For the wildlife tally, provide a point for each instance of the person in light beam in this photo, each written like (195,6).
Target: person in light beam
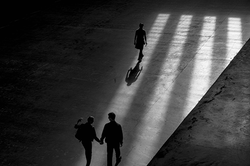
(87,135)
(140,40)
(112,133)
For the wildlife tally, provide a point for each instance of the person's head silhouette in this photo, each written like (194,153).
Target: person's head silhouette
(141,25)
(90,119)
(111,116)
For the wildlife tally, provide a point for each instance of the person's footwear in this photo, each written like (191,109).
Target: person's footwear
(118,161)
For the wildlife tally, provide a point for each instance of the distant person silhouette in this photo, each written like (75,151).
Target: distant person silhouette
(112,133)
(140,40)
(88,134)
(133,74)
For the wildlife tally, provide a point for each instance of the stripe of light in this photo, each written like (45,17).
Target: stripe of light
(202,63)
(124,93)
(150,128)
(234,37)
(234,44)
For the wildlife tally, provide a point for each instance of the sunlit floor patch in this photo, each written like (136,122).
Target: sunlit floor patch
(200,78)
(150,128)
(234,37)
(124,96)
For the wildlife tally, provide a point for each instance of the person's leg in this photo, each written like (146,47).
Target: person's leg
(140,54)
(118,154)
(88,152)
(109,154)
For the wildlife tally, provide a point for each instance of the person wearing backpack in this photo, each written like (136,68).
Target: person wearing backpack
(86,134)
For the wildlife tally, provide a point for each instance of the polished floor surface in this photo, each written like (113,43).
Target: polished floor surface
(71,59)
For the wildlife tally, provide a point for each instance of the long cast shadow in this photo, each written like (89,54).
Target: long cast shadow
(133,74)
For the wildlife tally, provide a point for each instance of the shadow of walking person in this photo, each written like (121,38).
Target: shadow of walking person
(133,74)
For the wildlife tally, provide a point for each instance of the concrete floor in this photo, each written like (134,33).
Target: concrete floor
(70,60)
(216,131)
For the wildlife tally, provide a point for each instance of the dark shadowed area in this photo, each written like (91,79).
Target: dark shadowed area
(62,60)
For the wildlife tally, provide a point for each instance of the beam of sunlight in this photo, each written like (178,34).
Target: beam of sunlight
(200,78)
(124,95)
(234,37)
(234,44)
(151,126)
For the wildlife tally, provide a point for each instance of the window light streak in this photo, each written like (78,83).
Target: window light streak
(124,93)
(151,126)
(234,37)
(152,40)
(200,79)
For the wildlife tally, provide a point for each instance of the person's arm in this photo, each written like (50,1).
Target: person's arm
(121,136)
(95,137)
(135,38)
(145,38)
(78,124)
(103,135)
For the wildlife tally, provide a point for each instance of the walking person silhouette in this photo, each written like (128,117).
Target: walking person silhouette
(86,135)
(112,133)
(140,40)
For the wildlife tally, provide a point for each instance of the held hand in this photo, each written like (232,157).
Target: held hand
(79,120)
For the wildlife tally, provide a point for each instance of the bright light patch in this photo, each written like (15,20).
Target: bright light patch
(150,129)
(124,96)
(151,126)
(234,37)
(200,79)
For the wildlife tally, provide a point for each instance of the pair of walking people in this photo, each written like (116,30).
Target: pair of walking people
(112,133)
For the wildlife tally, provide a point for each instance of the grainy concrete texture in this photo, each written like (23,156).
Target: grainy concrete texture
(217,130)
(62,60)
